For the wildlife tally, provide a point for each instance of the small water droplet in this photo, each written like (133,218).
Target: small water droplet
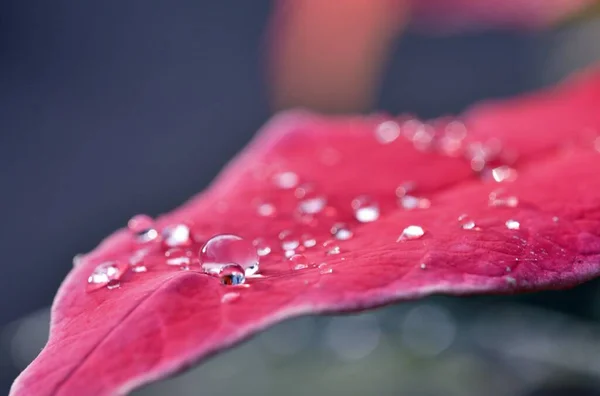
(511,281)
(113,284)
(286,180)
(266,210)
(142,227)
(409,202)
(139,268)
(404,189)
(365,208)
(411,232)
(262,247)
(304,190)
(508,269)
(298,262)
(288,240)
(105,273)
(512,224)
(225,249)
(176,235)
(499,198)
(326,271)
(423,266)
(289,253)
(333,250)
(77,260)
(504,174)
(232,275)
(341,232)
(555,219)
(308,241)
(178,256)
(387,132)
(230,297)
(466,223)
(312,204)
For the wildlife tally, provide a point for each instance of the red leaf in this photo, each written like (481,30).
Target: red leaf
(537,227)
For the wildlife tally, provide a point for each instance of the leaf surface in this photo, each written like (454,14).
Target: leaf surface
(507,197)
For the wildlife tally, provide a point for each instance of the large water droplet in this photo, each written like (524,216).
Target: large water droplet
(286,180)
(365,209)
(512,224)
(176,235)
(105,273)
(178,256)
(387,132)
(298,262)
(411,232)
(341,232)
(262,246)
(227,249)
(142,227)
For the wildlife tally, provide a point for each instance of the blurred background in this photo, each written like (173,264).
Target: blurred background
(108,109)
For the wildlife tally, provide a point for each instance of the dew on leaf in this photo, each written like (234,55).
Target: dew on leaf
(341,231)
(504,174)
(232,275)
(387,132)
(308,241)
(365,208)
(312,204)
(512,224)
(286,180)
(298,262)
(411,232)
(176,235)
(142,227)
(499,199)
(288,240)
(178,256)
(226,249)
(266,209)
(104,273)
(262,246)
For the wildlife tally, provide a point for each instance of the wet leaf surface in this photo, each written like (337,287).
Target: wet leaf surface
(342,214)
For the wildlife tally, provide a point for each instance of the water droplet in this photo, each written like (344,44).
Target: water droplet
(142,227)
(77,259)
(512,224)
(404,189)
(304,190)
(113,284)
(230,297)
(466,223)
(365,208)
(105,273)
(289,253)
(312,204)
(262,247)
(326,271)
(178,256)
(225,249)
(411,232)
(555,219)
(308,241)
(266,210)
(423,266)
(232,275)
(139,268)
(504,174)
(387,132)
(409,202)
(499,199)
(341,232)
(510,281)
(176,235)
(286,180)
(298,262)
(288,240)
